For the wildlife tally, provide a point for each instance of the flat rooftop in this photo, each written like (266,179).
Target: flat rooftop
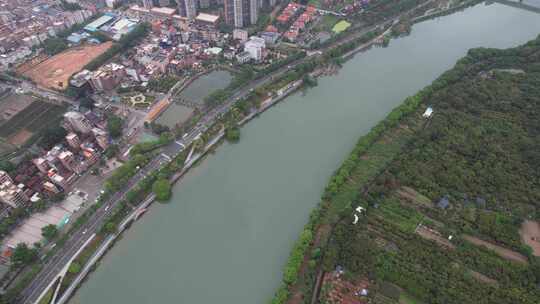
(163,10)
(207,18)
(94,25)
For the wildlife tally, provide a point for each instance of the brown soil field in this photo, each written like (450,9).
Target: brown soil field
(54,72)
(20,137)
(415,197)
(482,278)
(530,234)
(433,235)
(503,252)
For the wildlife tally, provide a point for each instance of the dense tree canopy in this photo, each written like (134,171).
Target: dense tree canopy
(162,190)
(54,45)
(52,136)
(23,255)
(49,232)
(7,166)
(114,125)
(162,84)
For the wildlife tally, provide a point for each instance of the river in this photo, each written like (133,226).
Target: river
(228,230)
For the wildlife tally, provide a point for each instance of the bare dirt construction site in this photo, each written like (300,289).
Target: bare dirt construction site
(54,72)
(530,234)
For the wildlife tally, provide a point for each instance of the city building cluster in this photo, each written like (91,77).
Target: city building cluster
(25,24)
(54,170)
(305,16)
(174,46)
(107,77)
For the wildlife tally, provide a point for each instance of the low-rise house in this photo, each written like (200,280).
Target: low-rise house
(270,38)
(444,202)
(243,57)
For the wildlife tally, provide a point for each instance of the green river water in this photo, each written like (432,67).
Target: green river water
(228,230)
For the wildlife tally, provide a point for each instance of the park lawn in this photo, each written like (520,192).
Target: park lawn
(341,26)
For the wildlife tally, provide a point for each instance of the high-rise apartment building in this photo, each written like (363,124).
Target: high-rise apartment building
(245,12)
(187,8)
(147,4)
(204,3)
(254,6)
(228,6)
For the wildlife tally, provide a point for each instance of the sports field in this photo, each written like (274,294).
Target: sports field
(341,26)
(54,73)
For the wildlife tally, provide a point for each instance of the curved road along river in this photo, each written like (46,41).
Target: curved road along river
(231,224)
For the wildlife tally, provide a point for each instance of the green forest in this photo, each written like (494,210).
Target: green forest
(444,196)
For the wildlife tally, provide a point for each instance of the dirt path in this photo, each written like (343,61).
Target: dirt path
(482,278)
(530,234)
(503,252)
(435,236)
